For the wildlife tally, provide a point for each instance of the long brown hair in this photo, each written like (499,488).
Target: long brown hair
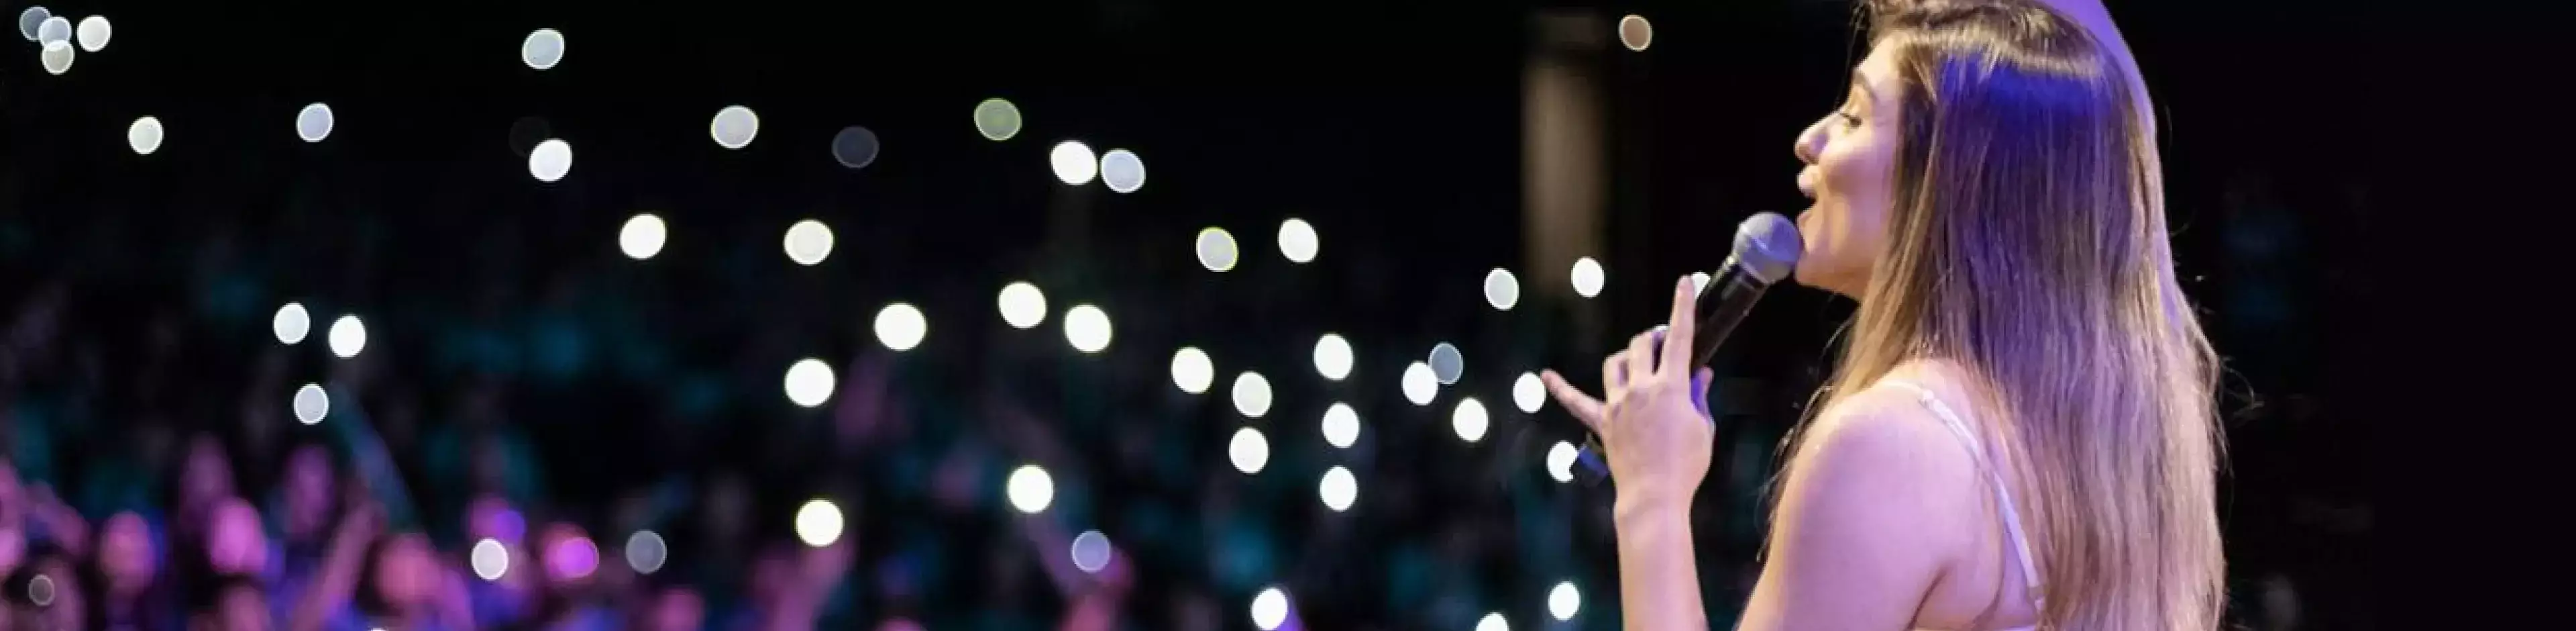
(2027,245)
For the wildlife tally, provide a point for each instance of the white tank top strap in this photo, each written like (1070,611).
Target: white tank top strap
(1994,473)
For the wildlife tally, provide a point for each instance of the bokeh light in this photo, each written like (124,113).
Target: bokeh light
(348,336)
(1564,601)
(1341,425)
(642,236)
(144,136)
(1447,365)
(1419,386)
(1297,240)
(646,551)
(900,326)
(1192,371)
(1030,489)
(1122,171)
(40,590)
(1469,420)
(311,403)
(491,560)
(734,127)
(1269,609)
(550,160)
(1560,461)
(818,523)
(1073,162)
(809,382)
(1216,249)
(808,242)
(855,147)
(1699,283)
(1502,290)
(572,558)
(1636,33)
(57,58)
(542,49)
(1087,328)
(1339,489)
(997,119)
(54,29)
(1248,451)
(93,33)
(313,123)
(1022,304)
(1333,356)
(1493,622)
(1528,392)
(1251,394)
(33,19)
(291,323)
(1588,277)
(1090,551)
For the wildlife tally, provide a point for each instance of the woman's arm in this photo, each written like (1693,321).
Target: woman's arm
(1869,519)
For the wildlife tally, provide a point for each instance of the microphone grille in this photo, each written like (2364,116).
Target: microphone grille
(1768,245)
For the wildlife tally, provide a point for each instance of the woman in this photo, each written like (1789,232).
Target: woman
(2020,431)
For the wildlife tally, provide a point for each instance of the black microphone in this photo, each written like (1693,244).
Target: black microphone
(1766,249)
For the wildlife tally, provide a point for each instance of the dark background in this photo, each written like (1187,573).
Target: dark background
(1393,129)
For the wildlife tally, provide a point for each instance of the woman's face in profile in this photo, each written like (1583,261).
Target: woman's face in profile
(1850,175)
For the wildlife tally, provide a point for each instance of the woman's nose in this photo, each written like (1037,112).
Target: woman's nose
(1811,142)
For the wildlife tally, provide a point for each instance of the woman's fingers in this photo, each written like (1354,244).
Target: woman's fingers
(1641,354)
(1582,406)
(1678,332)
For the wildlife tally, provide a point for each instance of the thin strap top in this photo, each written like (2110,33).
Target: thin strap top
(2003,493)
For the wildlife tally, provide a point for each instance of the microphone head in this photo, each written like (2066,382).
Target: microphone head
(1767,245)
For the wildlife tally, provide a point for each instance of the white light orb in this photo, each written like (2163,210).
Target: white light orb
(1087,328)
(1030,489)
(490,559)
(313,123)
(1090,551)
(542,49)
(1269,609)
(1341,425)
(311,404)
(997,119)
(93,33)
(1333,356)
(900,326)
(1073,162)
(550,160)
(809,382)
(1588,277)
(32,20)
(1493,622)
(54,29)
(734,127)
(1502,290)
(1564,601)
(1560,461)
(1251,394)
(818,523)
(1339,489)
(1192,371)
(291,323)
(348,335)
(1636,33)
(1216,249)
(57,58)
(144,136)
(1023,306)
(808,242)
(1699,283)
(1122,171)
(1419,385)
(1248,451)
(1447,364)
(1469,420)
(855,147)
(1297,240)
(1528,393)
(646,551)
(642,236)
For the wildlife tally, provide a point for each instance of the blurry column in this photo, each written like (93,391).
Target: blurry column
(1564,175)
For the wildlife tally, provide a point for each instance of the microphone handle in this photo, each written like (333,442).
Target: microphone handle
(1721,304)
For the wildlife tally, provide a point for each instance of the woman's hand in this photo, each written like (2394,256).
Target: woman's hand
(1655,427)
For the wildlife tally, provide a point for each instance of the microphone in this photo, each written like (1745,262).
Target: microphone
(1766,249)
